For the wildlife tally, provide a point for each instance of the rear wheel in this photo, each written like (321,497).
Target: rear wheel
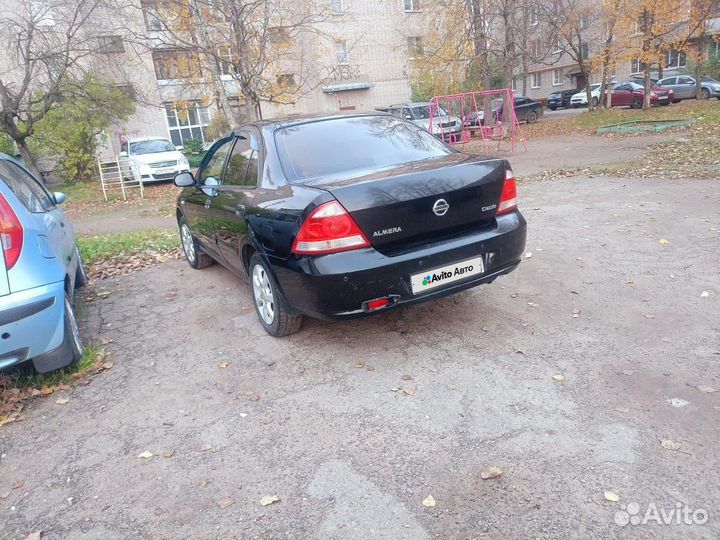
(72,333)
(269,305)
(705,93)
(81,277)
(195,258)
(531,117)
(552,108)
(595,102)
(637,103)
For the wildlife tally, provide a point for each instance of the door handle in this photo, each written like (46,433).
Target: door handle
(207,203)
(240,210)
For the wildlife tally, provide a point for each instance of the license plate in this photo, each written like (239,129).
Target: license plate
(663,97)
(166,170)
(432,279)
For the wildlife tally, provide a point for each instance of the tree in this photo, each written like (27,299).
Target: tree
(46,46)
(72,131)
(251,43)
(698,36)
(609,20)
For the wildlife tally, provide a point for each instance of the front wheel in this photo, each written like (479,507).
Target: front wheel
(270,307)
(637,103)
(705,93)
(195,258)
(531,117)
(595,102)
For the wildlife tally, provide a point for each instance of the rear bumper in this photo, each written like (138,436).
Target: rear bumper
(336,286)
(32,323)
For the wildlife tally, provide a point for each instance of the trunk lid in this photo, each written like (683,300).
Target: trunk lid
(401,207)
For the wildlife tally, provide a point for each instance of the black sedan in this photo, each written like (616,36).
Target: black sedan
(560,99)
(338,217)
(527,110)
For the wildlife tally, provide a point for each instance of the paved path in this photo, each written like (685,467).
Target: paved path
(352,457)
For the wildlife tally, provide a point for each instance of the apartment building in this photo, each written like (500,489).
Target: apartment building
(359,58)
(552,69)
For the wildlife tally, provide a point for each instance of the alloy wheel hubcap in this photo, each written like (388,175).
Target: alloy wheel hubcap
(187,242)
(262,290)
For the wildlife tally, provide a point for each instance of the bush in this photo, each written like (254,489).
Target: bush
(193,146)
(7,146)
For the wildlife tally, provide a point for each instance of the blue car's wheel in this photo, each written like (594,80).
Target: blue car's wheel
(72,333)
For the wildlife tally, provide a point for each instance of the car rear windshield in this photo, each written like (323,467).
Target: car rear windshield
(28,190)
(344,145)
(151,147)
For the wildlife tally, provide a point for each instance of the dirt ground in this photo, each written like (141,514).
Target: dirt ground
(352,425)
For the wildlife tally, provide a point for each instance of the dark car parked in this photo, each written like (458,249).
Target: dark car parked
(560,99)
(526,109)
(338,217)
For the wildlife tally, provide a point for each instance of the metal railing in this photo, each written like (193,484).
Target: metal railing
(120,175)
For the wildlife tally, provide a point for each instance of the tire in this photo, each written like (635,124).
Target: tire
(637,103)
(81,277)
(531,117)
(72,333)
(665,104)
(705,93)
(552,108)
(595,102)
(193,255)
(270,306)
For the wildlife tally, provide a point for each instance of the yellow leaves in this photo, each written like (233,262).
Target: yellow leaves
(669,444)
(206,447)
(559,377)
(611,496)
(223,365)
(62,401)
(145,455)
(226,502)
(269,499)
(663,242)
(429,502)
(493,471)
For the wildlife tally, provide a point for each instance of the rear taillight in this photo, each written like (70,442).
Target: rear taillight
(508,199)
(328,229)
(11,233)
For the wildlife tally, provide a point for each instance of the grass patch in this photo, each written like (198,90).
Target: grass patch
(91,359)
(99,248)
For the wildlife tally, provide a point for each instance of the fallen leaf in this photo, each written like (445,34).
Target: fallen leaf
(107,365)
(528,255)
(532,304)
(223,365)
(395,389)
(451,387)
(254,396)
(706,389)
(46,390)
(409,391)
(168,452)
(429,501)
(17,484)
(37,535)
(629,282)
(204,482)
(407,377)
(677,402)
(224,503)
(360,365)
(559,377)
(205,447)
(4,495)
(664,242)
(269,499)
(145,455)
(491,472)
(669,444)
(704,294)
(628,372)
(576,313)
(62,401)
(370,368)
(611,496)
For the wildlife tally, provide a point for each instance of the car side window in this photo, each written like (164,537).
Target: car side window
(406,113)
(671,80)
(214,166)
(124,147)
(684,80)
(28,190)
(242,167)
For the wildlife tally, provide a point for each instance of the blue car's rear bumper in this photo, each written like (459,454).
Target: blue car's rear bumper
(32,324)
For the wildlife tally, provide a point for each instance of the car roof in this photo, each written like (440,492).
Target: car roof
(141,139)
(413,104)
(295,119)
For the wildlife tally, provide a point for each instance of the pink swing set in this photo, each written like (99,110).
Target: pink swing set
(471,108)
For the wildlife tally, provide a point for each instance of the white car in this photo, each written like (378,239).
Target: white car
(153,159)
(444,126)
(580,99)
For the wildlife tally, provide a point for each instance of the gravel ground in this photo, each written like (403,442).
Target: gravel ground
(317,418)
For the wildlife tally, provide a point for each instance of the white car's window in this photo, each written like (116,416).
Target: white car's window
(28,190)
(151,147)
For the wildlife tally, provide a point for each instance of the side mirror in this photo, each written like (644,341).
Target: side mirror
(59,197)
(123,154)
(210,187)
(184,179)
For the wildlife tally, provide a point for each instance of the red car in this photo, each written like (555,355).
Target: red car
(631,94)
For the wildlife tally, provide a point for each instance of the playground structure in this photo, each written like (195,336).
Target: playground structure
(488,112)
(118,175)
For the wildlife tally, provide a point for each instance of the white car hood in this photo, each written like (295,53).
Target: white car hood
(146,159)
(425,123)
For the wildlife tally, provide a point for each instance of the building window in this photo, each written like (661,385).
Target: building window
(636,66)
(584,52)
(557,77)
(287,81)
(714,49)
(337,6)
(341,53)
(278,34)
(225,59)
(175,64)
(187,122)
(535,48)
(513,84)
(557,48)
(534,18)
(42,14)
(412,5)
(151,13)
(415,47)
(676,59)
(536,80)
(111,44)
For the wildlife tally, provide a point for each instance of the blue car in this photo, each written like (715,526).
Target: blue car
(40,269)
